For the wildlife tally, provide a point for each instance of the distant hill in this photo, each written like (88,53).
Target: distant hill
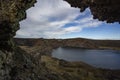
(107,43)
(73,42)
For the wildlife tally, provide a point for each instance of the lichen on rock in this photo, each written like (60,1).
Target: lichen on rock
(11,13)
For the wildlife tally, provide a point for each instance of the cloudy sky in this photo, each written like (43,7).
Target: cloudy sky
(56,19)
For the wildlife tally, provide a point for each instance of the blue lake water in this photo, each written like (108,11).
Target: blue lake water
(109,59)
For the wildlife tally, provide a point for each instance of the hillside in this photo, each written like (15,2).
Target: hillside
(77,42)
(45,46)
(73,42)
(110,44)
(33,61)
(19,65)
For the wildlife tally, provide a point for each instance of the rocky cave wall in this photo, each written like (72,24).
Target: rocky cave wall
(13,11)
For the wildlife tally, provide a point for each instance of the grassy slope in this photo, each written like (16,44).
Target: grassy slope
(78,70)
(55,69)
(69,42)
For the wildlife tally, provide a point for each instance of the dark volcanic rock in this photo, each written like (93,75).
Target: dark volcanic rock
(103,10)
(11,12)
(19,65)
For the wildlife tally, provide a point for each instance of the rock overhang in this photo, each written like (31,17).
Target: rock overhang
(103,10)
(13,11)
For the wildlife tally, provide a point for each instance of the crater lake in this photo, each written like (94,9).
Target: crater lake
(108,59)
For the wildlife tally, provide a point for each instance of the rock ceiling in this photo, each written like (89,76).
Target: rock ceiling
(103,10)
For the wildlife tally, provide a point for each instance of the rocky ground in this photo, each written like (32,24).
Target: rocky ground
(36,63)
(20,65)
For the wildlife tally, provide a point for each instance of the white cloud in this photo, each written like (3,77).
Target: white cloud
(48,18)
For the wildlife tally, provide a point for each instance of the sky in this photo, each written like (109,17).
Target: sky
(57,19)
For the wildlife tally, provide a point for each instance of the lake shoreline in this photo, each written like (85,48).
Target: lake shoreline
(89,55)
(69,70)
(78,68)
(100,48)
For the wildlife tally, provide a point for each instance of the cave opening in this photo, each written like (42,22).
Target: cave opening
(15,11)
(55,19)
